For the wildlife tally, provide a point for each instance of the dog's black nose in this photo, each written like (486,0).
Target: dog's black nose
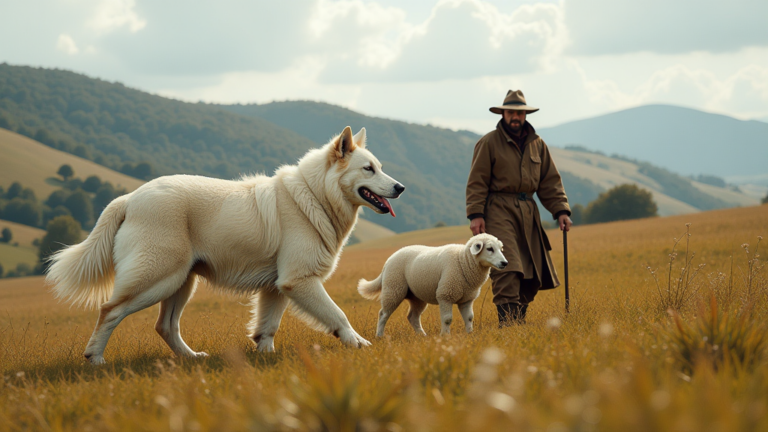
(399,188)
(503,264)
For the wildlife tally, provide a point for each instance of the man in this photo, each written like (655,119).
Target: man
(510,164)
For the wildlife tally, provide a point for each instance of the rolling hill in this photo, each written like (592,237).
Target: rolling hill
(682,140)
(31,163)
(585,173)
(115,126)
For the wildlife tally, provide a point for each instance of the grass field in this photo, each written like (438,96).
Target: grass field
(618,361)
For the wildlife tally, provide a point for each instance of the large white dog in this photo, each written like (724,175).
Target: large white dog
(274,238)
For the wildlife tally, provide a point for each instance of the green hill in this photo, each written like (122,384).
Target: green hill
(33,164)
(683,140)
(119,127)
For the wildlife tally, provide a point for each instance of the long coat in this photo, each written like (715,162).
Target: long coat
(499,174)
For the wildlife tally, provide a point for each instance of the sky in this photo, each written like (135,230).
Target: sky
(430,62)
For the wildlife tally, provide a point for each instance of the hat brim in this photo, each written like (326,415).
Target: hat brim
(500,109)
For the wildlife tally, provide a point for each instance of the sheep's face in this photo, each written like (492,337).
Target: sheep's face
(488,251)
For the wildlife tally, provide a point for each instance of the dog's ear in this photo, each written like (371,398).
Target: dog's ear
(476,247)
(344,144)
(360,138)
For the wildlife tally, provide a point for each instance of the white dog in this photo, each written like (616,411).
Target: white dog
(274,238)
(446,275)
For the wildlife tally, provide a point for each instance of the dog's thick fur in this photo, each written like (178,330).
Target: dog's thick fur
(446,275)
(273,238)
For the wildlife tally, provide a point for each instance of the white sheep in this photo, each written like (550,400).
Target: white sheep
(445,275)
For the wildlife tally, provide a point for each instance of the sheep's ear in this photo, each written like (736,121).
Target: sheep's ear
(476,247)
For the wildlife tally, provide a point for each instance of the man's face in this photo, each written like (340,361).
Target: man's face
(515,119)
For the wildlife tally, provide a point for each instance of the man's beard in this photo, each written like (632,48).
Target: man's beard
(515,125)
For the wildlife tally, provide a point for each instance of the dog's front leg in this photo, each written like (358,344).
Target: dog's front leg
(467,314)
(319,310)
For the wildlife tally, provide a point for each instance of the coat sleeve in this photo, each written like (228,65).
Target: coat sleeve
(479,180)
(551,191)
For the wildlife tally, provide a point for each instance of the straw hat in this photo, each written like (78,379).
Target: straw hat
(514,101)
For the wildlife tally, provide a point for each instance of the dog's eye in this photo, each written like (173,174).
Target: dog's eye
(490,250)
(368,168)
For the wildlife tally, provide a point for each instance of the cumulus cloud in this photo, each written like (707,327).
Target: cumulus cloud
(66,44)
(110,15)
(742,94)
(462,39)
(600,27)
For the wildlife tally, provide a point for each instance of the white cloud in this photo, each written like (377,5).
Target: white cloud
(462,39)
(599,27)
(111,15)
(742,94)
(66,44)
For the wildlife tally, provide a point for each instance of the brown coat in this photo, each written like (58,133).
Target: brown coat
(498,175)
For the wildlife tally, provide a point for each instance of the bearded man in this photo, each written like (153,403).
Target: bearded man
(510,164)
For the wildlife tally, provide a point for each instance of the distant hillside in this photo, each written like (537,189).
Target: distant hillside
(585,174)
(113,125)
(31,163)
(682,140)
(118,127)
(432,163)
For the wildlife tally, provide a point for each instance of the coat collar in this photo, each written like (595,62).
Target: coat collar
(529,127)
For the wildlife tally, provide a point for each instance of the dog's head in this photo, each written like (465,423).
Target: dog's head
(488,251)
(361,178)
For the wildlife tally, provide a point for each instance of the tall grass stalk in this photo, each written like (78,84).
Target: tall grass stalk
(679,291)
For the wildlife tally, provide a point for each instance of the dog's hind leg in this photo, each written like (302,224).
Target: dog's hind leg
(126,300)
(319,310)
(414,314)
(167,325)
(268,308)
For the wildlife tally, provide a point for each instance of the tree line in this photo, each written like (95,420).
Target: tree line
(83,200)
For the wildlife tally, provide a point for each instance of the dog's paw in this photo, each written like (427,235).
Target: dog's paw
(265,347)
(96,360)
(350,337)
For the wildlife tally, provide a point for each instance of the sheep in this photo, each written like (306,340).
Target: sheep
(445,275)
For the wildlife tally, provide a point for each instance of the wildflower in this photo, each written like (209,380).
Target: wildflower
(553,323)
(501,401)
(605,329)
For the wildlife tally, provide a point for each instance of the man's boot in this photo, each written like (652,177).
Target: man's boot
(511,313)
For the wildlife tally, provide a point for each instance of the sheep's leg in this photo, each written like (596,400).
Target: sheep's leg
(469,316)
(414,314)
(446,316)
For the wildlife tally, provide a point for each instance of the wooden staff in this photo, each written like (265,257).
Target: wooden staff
(565,263)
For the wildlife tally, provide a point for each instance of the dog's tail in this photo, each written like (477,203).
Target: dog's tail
(83,274)
(370,289)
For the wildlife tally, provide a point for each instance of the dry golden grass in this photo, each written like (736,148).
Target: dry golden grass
(616,362)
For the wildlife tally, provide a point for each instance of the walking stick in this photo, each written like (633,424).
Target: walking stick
(565,263)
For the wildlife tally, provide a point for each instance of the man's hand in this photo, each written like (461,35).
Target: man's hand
(564,221)
(477,225)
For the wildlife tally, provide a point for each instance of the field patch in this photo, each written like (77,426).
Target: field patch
(616,362)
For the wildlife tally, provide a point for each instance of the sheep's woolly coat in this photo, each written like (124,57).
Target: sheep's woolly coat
(446,275)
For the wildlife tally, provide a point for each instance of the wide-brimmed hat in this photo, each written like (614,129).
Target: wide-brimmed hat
(514,101)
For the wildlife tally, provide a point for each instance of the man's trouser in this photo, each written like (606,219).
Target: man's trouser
(510,287)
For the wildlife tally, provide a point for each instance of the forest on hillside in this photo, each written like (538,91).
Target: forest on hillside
(145,136)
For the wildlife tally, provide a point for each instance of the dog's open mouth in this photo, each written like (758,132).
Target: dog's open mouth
(377,201)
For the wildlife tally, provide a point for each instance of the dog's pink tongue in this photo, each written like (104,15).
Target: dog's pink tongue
(389,206)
